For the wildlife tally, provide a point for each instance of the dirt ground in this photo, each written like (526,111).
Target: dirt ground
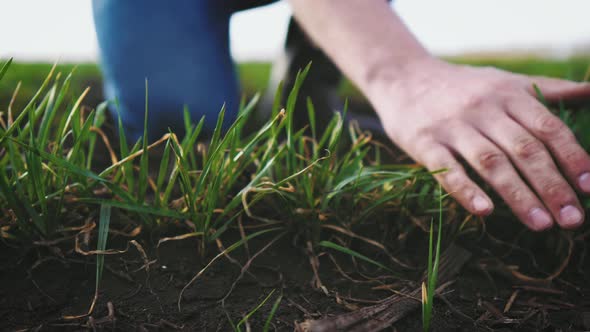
(503,287)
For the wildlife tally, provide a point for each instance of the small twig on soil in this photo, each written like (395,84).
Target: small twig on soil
(42,291)
(135,292)
(542,290)
(46,243)
(80,251)
(492,310)
(454,309)
(90,310)
(243,236)
(485,316)
(508,305)
(109,318)
(315,265)
(91,323)
(563,304)
(133,233)
(247,265)
(529,316)
(146,261)
(119,274)
(177,238)
(371,242)
(515,275)
(36,265)
(302,309)
(106,142)
(383,315)
(232,260)
(165,323)
(196,276)
(346,275)
(353,299)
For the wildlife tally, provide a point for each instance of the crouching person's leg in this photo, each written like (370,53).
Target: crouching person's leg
(181,47)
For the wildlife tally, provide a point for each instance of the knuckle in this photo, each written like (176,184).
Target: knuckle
(474,101)
(424,141)
(504,88)
(512,193)
(490,159)
(549,125)
(556,189)
(455,180)
(574,156)
(424,135)
(427,135)
(528,147)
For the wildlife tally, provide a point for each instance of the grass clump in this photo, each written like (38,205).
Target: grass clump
(306,180)
(61,172)
(429,286)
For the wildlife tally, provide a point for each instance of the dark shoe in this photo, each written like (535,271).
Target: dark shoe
(321,85)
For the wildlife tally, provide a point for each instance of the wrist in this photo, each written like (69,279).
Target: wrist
(395,78)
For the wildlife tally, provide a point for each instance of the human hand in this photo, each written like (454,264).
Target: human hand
(439,112)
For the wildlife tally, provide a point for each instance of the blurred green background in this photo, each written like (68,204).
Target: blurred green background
(254,76)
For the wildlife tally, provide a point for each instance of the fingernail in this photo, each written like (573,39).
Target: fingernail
(584,182)
(570,216)
(540,219)
(480,204)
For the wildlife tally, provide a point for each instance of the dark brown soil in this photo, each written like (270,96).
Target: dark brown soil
(40,288)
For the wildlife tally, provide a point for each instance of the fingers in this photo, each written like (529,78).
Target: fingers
(454,180)
(496,169)
(557,137)
(534,162)
(554,89)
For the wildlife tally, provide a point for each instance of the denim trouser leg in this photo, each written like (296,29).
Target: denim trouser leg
(181,47)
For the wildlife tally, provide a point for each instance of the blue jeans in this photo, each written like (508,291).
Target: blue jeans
(181,47)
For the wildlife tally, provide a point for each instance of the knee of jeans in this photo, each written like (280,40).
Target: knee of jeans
(164,116)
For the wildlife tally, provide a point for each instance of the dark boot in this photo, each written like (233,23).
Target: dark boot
(321,84)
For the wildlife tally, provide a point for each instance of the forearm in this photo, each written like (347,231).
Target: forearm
(365,38)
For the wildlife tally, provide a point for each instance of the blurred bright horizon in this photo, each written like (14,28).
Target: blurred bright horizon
(38,30)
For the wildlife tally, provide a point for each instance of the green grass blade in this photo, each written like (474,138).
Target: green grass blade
(4,68)
(272,313)
(312,117)
(136,207)
(277,101)
(539,94)
(99,119)
(350,252)
(253,311)
(74,113)
(438,240)
(162,172)
(432,273)
(11,199)
(188,122)
(43,132)
(127,168)
(142,184)
(103,233)
(61,162)
(217,131)
(25,112)
(291,103)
